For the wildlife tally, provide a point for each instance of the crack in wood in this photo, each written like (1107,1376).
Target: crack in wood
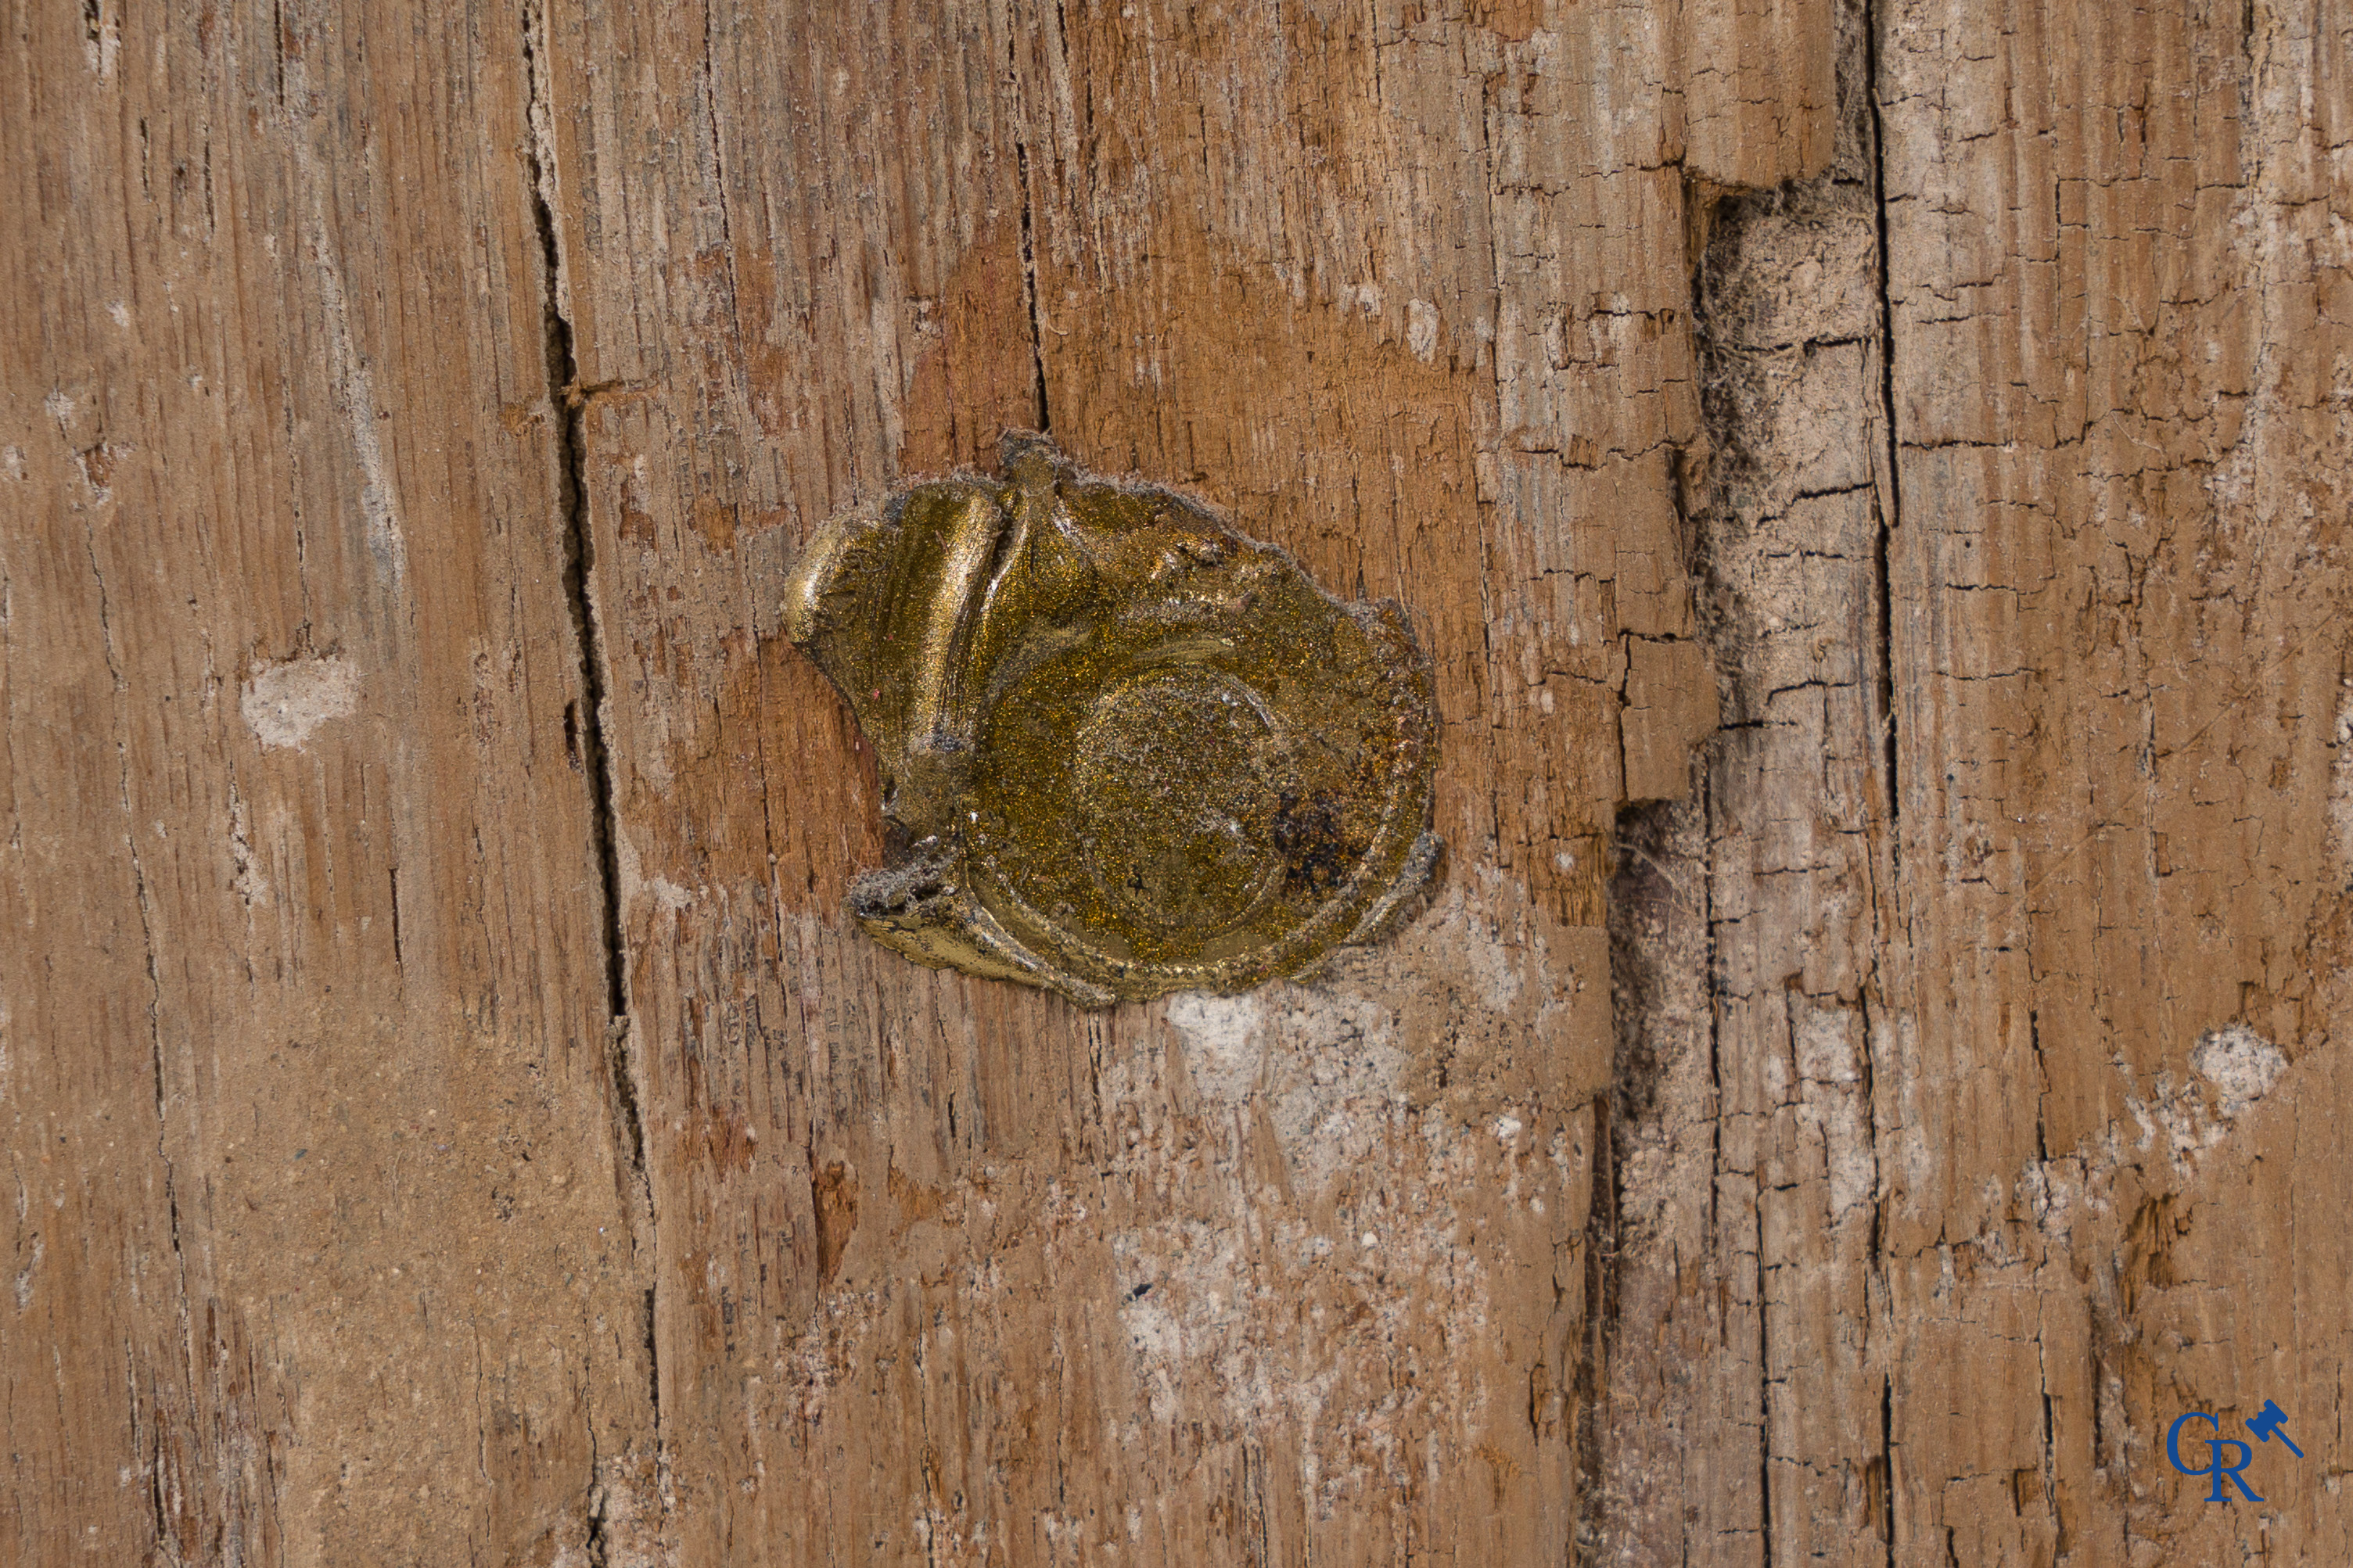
(568,399)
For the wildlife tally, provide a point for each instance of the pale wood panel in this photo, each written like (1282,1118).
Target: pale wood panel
(443,394)
(950,1268)
(320,1250)
(2118,592)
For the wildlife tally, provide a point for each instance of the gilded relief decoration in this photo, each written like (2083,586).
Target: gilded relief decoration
(1123,749)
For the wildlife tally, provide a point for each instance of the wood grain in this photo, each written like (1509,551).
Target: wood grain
(322,1250)
(1867,475)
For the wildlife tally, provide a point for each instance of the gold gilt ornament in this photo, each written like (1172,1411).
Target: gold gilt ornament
(1123,749)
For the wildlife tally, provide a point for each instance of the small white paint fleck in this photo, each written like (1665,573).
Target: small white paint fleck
(120,312)
(2340,792)
(1368,1239)
(60,407)
(1421,329)
(24,1275)
(99,53)
(283,703)
(1507,1128)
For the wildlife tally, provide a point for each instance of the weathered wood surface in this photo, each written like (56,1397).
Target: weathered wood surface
(1870,477)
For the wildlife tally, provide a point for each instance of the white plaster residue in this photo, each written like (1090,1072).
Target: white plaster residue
(1827,1045)
(633,1511)
(352,386)
(629,870)
(1189,1306)
(2341,777)
(1315,1218)
(1421,329)
(1335,1077)
(1825,1040)
(1212,1313)
(355,390)
(247,878)
(1495,960)
(24,1275)
(543,164)
(2241,1066)
(283,703)
(1222,1041)
(2239,1062)
(356,396)
(98,51)
(1853,1164)
(2270,488)
(635,884)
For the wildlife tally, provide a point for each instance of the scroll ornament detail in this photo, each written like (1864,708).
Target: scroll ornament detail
(1123,749)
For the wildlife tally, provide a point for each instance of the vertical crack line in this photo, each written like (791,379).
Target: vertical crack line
(187,1317)
(1889,520)
(398,959)
(1028,230)
(139,887)
(1030,288)
(1887,1465)
(593,1533)
(569,406)
(1891,514)
(1601,1330)
(2041,1086)
(1763,1407)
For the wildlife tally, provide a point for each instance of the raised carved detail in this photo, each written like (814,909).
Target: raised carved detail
(1123,749)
